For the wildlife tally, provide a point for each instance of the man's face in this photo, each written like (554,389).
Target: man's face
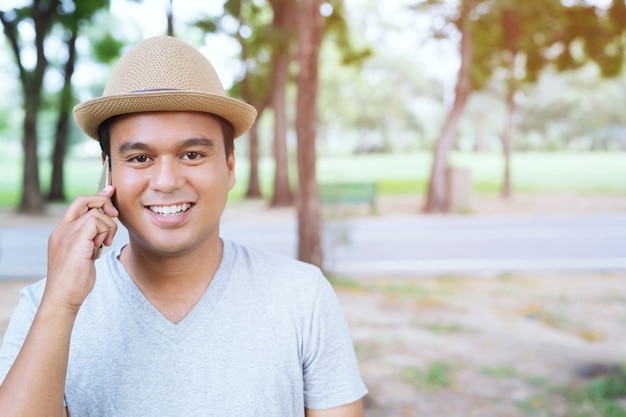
(172,180)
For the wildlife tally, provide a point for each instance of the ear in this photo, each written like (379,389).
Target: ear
(230,165)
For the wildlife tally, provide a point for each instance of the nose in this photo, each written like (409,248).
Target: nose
(166,175)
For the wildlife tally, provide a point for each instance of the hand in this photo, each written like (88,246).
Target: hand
(86,226)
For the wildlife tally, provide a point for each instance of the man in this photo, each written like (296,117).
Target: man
(179,321)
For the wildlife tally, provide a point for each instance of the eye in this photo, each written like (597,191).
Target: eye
(140,158)
(192,156)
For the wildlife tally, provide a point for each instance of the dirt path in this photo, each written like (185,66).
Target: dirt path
(481,346)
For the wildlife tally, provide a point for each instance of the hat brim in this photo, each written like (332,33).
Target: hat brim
(90,114)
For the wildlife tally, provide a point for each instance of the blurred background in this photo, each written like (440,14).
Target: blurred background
(528,98)
(452,153)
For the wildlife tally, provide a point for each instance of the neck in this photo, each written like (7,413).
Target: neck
(173,284)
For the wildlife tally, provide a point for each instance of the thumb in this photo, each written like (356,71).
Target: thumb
(107,191)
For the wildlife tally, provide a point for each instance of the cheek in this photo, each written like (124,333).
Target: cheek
(128,188)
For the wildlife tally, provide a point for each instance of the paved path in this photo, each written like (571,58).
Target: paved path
(397,245)
(456,244)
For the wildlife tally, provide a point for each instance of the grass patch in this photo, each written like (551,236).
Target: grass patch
(347,283)
(444,328)
(437,375)
(409,289)
(402,187)
(598,397)
(485,187)
(499,371)
(562,322)
(9,198)
(502,372)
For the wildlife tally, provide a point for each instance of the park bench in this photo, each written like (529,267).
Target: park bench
(349,193)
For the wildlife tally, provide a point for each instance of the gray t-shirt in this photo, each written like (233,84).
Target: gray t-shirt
(267,338)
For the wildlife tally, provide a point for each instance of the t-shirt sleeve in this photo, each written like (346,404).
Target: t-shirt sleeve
(18,327)
(330,369)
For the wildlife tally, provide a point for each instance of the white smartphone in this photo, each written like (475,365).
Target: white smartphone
(105,179)
(105,176)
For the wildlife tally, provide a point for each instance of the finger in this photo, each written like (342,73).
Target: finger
(81,205)
(108,207)
(107,191)
(105,229)
(93,226)
(105,238)
(98,241)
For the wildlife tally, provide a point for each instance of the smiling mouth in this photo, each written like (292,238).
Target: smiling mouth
(170,210)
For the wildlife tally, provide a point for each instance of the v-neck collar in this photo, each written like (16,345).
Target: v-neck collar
(152,317)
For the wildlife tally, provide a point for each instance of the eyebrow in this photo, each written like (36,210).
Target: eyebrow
(141,146)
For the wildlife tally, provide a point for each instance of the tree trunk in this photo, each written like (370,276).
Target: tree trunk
(170,18)
(283,19)
(507,137)
(436,201)
(254,188)
(283,196)
(310,38)
(57,192)
(31,201)
(512,31)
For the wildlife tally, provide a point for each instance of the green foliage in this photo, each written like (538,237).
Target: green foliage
(405,290)
(573,110)
(596,398)
(609,387)
(106,48)
(436,376)
(445,328)
(617,14)
(336,28)
(256,37)
(544,32)
(499,371)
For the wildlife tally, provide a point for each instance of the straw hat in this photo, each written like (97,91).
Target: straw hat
(163,74)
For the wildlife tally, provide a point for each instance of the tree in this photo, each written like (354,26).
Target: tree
(41,15)
(274,38)
(597,32)
(71,23)
(255,43)
(498,33)
(285,13)
(255,40)
(436,199)
(56,192)
(311,26)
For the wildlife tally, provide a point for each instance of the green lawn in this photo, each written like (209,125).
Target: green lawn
(570,172)
(531,172)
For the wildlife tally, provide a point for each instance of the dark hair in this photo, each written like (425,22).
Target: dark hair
(228,133)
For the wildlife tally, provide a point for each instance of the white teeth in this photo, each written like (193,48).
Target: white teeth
(170,210)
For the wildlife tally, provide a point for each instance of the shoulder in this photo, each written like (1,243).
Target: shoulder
(267,263)
(276,273)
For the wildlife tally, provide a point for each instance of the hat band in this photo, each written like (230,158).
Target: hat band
(156,89)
